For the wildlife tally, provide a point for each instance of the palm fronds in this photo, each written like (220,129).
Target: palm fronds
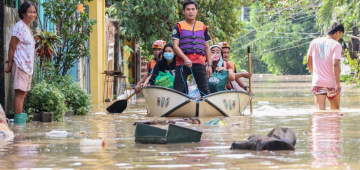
(46,45)
(325,13)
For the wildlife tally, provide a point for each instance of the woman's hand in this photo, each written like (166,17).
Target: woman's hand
(8,69)
(146,85)
(219,69)
(213,56)
(138,88)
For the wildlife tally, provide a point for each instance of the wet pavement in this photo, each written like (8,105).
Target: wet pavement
(325,140)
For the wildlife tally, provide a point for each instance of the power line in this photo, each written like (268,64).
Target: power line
(258,16)
(284,45)
(259,38)
(300,6)
(279,20)
(290,37)
(289,48)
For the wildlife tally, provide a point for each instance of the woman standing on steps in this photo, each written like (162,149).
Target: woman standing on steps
(21,58)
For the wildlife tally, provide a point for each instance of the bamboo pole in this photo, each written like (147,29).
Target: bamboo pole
(249,62)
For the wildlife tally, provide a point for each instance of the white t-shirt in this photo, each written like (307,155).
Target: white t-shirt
(324,51)
(25,49)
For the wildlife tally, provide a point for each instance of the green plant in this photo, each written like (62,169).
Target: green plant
(345,78)
(29,118)
(113,96)
(48,98)
(131,80)
(123,61)
(112,11)
(152,20)
(78,98)
(354,68)
(46,44)
(73,27)
(128,49)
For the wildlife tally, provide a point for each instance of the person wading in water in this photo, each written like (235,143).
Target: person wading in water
(21,58)
(323,60)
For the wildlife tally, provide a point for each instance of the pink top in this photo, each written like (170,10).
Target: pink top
(25,49)
(323,52)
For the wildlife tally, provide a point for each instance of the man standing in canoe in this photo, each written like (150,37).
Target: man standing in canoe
(323,60)
(157,47)
(191,44)
(238,82)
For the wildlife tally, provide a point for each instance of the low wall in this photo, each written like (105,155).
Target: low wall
(7,95)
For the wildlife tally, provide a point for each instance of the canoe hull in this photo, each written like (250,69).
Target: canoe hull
(165,102)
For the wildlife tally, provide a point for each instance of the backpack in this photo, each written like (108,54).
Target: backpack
(164,80)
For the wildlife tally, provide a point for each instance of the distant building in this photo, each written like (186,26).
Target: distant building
(245,13)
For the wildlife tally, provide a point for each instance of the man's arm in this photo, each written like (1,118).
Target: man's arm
(309,63)
(208,59)
(180,53)
(177,49)
(208,53)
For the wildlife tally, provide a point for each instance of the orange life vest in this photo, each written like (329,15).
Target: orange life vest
(232,65)
(152,64)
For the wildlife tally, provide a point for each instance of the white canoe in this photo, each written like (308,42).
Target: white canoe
(165,102)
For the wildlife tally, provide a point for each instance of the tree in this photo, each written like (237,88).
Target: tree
(153,20)
(74,29)
(278,36)
(348,13)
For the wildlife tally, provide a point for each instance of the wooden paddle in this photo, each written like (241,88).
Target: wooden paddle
(119,106)
(249,62)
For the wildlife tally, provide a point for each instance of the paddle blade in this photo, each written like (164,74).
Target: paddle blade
(117,107)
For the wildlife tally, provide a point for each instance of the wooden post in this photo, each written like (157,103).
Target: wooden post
(116,55)
(249,62)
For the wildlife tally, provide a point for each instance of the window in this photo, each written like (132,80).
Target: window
(12,3)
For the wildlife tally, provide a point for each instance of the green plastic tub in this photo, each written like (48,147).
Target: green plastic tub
(175,134)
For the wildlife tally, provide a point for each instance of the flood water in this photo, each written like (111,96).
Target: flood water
(325,140)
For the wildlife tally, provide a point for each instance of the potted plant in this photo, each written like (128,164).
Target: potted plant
(46,44)
(46,98)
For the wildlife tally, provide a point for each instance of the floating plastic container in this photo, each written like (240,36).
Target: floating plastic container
(56,133)
(92,142)
(175,134)
(215,122)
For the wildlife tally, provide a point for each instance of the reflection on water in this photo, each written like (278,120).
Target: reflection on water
(324,139)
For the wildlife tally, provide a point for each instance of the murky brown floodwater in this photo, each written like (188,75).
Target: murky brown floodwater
(324,140)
